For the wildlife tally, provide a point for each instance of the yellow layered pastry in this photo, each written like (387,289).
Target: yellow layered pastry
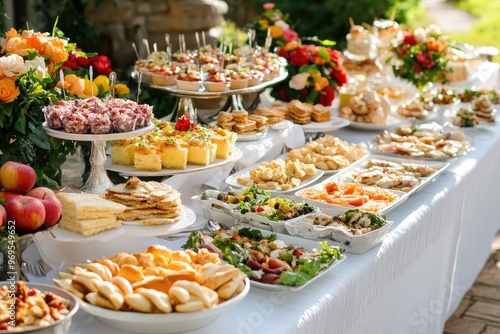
(146,157)
(174,153)
(122,151)
(201,152)
(225,141)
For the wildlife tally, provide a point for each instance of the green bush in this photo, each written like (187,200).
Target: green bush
(329,19)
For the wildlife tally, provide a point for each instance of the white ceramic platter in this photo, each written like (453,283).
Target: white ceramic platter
(131,171)
(137,322)
(96,137)
(136,230)
(333,124)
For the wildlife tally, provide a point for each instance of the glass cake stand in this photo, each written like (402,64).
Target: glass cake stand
(98,180)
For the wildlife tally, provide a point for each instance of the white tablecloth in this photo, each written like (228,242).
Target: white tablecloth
(411,283)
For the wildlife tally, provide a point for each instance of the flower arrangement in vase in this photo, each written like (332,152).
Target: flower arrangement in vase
(29,64)
(314,71)
(421,57)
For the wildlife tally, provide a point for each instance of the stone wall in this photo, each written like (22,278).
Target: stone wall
(131,21)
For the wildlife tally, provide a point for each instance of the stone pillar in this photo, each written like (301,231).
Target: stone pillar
(132,21)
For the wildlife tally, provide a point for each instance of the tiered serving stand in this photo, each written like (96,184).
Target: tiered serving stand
(184,105)
(98,179)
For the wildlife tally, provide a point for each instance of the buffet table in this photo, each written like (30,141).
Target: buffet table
(411,283)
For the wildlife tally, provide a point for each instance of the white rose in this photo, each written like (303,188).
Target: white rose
(12,65)
(282,24)
(39,64)
(420,35)
(299,81)
(434,29)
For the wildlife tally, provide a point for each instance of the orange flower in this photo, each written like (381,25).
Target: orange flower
(276,31)
(434,46)
(320,83)
(12,33)
(37,42)
(55,49)
(15,45)
(290,46)
(8,90)
(73,84)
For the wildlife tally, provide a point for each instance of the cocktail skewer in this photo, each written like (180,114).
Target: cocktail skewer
(135,49)
(112,84)
(91,78)
(61,76)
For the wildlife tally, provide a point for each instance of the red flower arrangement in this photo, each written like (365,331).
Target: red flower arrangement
(80,61)
(314,73)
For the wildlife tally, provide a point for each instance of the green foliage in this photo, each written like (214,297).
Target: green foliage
(329,19)
(23,138)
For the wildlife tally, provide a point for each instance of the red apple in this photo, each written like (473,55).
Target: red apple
(6,195)
(41,192)
(3,216)
(17,177)
(53,207)
(1,185)
(27,212)
(53,211)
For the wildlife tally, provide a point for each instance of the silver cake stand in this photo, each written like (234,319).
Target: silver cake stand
(98,180)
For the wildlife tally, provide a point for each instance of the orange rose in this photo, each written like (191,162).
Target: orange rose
(8,90)
(320,83)
(15,45)
(37,42)
(12,33)
(55,49)
(75,85)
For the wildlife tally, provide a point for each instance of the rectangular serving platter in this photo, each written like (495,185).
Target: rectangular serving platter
(345,175)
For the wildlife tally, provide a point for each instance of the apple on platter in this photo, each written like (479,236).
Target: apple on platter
(53,207)
(3,216)
(6,195)
(28,212)
(17,177)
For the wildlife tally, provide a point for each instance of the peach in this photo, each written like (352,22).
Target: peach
(27,212)
(17,177)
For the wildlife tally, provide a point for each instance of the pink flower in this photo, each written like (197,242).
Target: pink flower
(289,35)
(268,5)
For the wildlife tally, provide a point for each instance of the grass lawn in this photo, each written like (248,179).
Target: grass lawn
(484,32)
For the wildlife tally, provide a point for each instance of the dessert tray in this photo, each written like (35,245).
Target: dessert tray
(131,171)
(285,243)
(96,137)
(391,172)
(98,179)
